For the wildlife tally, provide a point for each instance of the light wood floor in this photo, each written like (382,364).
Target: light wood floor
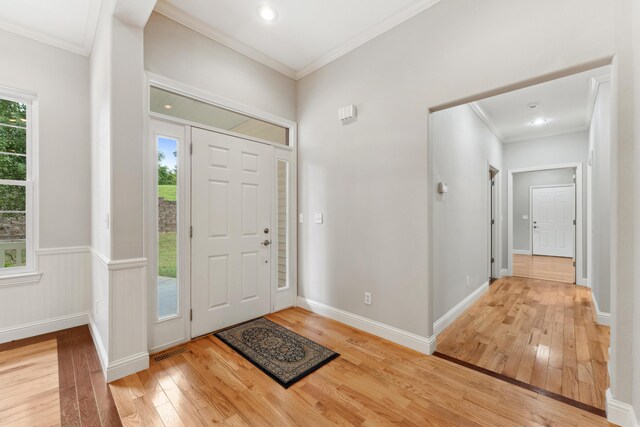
(538,332)
(544,267)
(373,382)
(54,379)
(29,385)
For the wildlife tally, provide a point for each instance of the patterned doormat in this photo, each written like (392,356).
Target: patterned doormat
(283,355)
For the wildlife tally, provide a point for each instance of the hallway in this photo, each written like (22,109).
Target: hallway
(539,333)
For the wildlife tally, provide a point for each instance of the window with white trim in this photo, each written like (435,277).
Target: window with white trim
(16,186)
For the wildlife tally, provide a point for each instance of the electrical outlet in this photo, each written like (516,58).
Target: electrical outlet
(367,298)
(95,307)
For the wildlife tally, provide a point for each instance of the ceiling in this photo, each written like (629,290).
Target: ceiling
(67,24)
(306,35)
(566,104)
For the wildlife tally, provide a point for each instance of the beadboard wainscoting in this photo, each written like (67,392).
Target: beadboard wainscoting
(118,322)
(59,299)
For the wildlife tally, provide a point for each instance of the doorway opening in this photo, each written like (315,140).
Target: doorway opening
(543,226)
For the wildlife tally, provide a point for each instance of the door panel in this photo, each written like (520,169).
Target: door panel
(231,218)
(553,210)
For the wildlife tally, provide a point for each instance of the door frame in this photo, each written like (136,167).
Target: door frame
(493,202)
(575,201)
(579,255)
(280,298)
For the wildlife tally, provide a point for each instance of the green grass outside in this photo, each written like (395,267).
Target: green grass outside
(167,254)
(168,192)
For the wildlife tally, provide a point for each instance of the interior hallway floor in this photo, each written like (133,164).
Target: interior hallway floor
(538,333)
(556,269)
(373,382)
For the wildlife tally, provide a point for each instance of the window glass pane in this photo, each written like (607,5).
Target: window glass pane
(13,113)
(13,140)
(13,198)
(185,108)
(283,222)
(167,227)
(13,246)
(13,167)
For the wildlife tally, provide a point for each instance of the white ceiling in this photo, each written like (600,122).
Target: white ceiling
(566,103)
(68,24)
(307,34)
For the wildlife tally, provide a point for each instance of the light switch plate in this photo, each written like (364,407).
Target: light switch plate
(319,218)
(300,218)
(525,216)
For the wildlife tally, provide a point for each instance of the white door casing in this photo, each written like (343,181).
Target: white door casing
(553,221)
(231,219)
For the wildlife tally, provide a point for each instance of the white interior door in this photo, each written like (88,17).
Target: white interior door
(231,219)
(553,212)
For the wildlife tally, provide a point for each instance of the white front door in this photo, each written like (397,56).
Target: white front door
(231,219)
(553,211)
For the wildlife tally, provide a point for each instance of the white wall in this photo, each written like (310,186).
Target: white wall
(522,183)
(61,81)
(181,54)
(600,181)
(553,150)
(462,147)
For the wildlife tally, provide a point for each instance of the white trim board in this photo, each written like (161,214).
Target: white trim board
(602,317)
(40,327)
(119,368)
(620,413)
(449,317)
(189,21)
(408,339)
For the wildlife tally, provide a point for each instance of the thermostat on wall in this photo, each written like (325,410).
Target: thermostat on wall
(442,187)
(347,113)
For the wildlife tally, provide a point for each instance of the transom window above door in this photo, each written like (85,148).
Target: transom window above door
(193,110)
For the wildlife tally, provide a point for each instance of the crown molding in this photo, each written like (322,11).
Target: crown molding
(368,35)
(181,17)
(486,120)
(80,49)
(83,48)
(189,21)
(548,134)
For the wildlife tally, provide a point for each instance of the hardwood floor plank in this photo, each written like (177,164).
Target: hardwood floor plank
(539,332)
(372,383)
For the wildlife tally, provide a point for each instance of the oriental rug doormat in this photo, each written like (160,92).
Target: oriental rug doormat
(283,355)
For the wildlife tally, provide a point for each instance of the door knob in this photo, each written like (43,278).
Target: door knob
(266,231)
(266,243)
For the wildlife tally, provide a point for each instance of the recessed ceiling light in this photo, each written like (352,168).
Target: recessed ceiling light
(539,121)
(168,107)
(267,13)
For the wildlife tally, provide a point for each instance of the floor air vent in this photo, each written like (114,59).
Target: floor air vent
(170,353)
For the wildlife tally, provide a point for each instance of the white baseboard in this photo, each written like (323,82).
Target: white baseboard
(504,272)
(127,366)
(442,323)
(521,252)
(118,368)
(33,329)
(620,413)
(601,317)
(398,336)
(97,341)
(583,282)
